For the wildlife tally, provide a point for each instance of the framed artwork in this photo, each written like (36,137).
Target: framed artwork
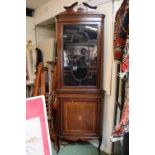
(37,133)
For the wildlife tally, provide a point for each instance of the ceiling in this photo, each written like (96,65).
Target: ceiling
(33,4)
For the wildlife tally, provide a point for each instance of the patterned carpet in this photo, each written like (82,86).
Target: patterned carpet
(77,148)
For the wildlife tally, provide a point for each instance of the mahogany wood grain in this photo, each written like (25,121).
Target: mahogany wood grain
(43,81)
(37,81)
(82,113)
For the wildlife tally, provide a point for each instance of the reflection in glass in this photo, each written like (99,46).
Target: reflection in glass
(80,55)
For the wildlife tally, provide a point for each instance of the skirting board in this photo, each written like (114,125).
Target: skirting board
(95,143)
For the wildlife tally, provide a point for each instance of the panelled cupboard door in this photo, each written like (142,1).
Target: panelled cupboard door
(80,117)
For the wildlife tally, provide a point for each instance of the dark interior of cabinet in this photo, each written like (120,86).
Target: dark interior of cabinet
(80,54)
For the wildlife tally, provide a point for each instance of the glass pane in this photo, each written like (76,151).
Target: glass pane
(80,55)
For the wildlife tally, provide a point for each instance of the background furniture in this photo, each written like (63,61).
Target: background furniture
(119,105)
(120,92)
(41,88)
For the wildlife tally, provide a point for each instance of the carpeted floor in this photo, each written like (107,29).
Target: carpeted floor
(77,148)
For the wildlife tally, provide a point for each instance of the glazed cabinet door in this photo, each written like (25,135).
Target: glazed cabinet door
(80,117)
(80,55)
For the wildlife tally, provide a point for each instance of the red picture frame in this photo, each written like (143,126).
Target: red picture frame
(37,127)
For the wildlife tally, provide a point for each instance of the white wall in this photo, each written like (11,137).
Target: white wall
(45,41)
(43,33)
(41,37)
(52,8)
(47,47)
(30,29)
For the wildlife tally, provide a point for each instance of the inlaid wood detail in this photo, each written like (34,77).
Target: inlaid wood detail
(80,116)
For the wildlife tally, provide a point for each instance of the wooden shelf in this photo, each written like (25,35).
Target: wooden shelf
(51,62)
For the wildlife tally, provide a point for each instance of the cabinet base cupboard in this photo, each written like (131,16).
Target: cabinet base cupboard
(79,75)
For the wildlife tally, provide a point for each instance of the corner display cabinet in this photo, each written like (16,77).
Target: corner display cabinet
(79,74)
